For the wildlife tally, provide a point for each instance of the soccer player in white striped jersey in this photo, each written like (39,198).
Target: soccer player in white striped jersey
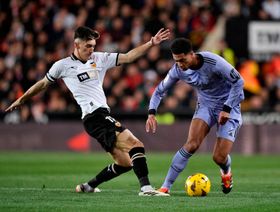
(219,90)
(83,73)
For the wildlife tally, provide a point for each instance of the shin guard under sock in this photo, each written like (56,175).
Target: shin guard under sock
(138,158)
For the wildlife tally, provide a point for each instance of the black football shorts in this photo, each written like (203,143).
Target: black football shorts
(101,126)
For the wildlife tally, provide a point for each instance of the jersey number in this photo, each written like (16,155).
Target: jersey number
(111,119)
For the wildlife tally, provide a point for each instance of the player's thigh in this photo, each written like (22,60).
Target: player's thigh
(126,141)
(197,132)
(226,135)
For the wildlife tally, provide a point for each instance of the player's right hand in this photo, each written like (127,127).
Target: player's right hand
(15,105)
(151,123)
(223,117)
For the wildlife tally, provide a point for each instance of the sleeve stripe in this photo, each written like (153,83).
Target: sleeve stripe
(209,60)
(49,77)
(117,60)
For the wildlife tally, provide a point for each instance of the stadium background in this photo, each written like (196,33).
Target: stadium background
(44,151)
(34,34)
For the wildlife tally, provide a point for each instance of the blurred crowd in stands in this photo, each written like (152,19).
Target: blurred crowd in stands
(35,34)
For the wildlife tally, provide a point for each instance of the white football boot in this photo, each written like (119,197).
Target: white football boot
(150,191)
(86,188)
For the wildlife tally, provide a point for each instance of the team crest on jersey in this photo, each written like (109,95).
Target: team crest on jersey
(93,65)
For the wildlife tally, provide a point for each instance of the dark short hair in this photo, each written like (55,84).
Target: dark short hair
(86,33)
(181,45)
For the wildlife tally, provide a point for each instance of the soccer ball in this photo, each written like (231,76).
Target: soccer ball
(197,185)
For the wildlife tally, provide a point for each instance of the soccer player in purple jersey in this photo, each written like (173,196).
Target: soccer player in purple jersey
(220,90)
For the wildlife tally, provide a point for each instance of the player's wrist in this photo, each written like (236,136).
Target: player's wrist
(152,112)
(226,108)
(152,41)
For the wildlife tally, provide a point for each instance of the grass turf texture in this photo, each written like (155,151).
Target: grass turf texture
(46,182)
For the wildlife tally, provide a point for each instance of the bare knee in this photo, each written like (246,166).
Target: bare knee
(219,158)
(121,158)
(192,145)
(127,141)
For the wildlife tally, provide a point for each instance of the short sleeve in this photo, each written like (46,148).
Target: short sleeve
(55,72)
(227,70)
(108,59)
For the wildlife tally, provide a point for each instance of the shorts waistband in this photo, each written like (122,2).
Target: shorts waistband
(98,110)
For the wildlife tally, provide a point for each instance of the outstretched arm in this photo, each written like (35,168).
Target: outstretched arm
(33,90)
(141,50)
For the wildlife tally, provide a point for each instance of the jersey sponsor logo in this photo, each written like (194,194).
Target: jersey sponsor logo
(83,76)
(93,74)
(88,75)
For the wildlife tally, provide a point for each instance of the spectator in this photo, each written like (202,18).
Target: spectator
(226,52)
(36,33)
(271,8)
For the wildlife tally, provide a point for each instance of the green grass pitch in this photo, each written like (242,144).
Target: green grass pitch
(45,181)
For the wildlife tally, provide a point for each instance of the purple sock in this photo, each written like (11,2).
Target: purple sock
(179,162)
(226,167)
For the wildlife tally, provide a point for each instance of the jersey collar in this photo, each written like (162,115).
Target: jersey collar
(200,63)
(73,57)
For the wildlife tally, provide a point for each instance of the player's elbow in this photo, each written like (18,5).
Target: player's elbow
(159,93)
(43,84)
(242,96)
(125,58)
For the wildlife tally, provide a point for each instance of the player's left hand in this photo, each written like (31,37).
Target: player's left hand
(162,34)
(223,117)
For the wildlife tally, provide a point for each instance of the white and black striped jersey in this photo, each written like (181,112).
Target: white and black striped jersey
(85,80)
